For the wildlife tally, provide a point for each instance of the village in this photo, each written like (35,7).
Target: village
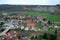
(25,27)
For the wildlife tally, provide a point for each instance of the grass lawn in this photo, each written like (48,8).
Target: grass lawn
(55,18)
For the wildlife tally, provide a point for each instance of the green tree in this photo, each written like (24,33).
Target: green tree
(45,36)
(1,24)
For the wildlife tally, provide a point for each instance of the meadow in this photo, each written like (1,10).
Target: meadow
(55,18)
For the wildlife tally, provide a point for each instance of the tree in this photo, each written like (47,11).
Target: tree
(45,36)
(1,23)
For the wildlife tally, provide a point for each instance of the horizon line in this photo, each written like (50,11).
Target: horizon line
(29,4)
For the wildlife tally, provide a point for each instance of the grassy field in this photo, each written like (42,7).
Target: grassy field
(55,18)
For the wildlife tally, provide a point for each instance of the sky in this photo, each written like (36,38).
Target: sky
(30,2)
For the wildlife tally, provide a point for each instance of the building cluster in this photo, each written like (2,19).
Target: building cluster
(27,22)
(24,23)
